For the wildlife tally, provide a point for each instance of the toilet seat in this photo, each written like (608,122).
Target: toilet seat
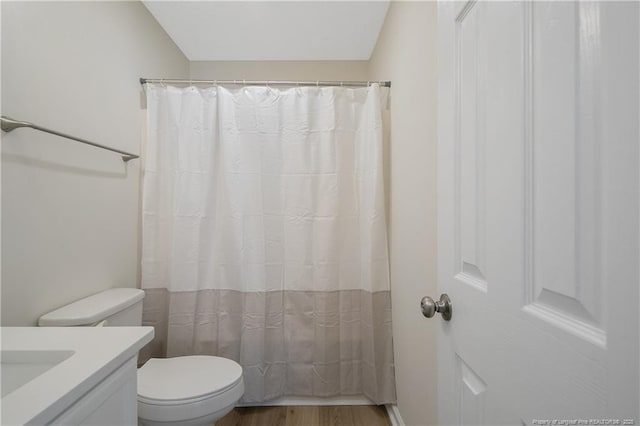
(188,387)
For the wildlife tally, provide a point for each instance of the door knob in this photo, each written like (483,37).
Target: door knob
(430,307)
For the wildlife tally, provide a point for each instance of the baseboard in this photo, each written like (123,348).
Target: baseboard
(304,400)
(394,415)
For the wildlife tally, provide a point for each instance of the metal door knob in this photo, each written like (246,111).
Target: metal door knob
(430,307)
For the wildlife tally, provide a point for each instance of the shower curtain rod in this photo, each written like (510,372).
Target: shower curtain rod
(268,82)
(9,124)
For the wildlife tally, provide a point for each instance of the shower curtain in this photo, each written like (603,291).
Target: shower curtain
(264,236)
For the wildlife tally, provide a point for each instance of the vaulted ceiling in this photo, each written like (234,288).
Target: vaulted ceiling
(272,30)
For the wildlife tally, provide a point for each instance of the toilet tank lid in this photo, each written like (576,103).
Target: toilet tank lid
(92,309)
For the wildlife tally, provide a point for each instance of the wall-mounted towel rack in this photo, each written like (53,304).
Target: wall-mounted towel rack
(9,124)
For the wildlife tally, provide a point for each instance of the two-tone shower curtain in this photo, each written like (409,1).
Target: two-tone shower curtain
(264,236)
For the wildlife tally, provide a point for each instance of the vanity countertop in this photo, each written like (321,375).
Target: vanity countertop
(85,357)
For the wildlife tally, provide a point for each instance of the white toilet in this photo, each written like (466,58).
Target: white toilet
(186,390)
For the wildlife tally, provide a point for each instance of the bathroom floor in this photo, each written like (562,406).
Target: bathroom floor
(343,415)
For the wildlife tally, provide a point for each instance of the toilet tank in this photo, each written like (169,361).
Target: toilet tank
(113,307)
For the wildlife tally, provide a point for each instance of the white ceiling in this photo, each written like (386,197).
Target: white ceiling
(272,30)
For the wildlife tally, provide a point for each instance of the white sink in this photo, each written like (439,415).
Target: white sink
(46,370)
(17,368)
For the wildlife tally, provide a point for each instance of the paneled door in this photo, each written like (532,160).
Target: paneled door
(538,212)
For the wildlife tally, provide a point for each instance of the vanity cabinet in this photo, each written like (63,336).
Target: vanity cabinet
(71,375)
(111,402)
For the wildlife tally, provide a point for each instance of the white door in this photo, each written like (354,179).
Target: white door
(538,212)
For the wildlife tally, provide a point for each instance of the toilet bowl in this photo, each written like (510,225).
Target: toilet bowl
(187,390)
(181,391)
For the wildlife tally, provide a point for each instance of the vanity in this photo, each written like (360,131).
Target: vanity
(70,375)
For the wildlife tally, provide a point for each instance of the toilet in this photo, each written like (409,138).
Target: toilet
(186,390)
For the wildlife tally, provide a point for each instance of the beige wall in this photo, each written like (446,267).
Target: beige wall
(406,55)
(279,70)
(70,212)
